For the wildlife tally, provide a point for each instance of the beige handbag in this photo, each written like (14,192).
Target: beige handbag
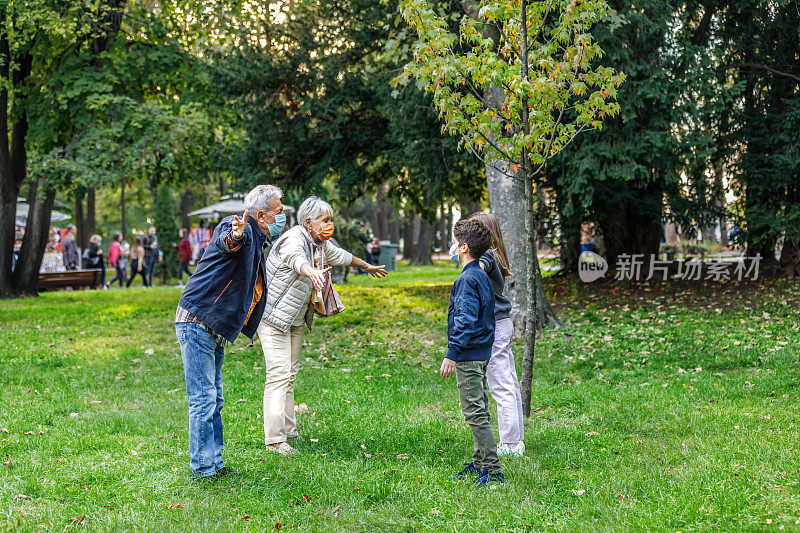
(327,301)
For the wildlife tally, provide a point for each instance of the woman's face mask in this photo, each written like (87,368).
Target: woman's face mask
(324,230)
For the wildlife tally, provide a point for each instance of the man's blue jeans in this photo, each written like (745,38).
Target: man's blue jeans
(202,366)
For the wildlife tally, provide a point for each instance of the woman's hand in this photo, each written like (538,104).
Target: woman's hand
(316,276)
(376,271)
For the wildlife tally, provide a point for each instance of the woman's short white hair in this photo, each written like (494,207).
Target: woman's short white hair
(313,207)
(261,197)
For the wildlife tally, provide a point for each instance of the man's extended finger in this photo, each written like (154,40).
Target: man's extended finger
(327,270)
(245,214)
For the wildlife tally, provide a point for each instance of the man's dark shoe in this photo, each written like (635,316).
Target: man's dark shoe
(225,471)
(204,479)
(490,479)
(469,470)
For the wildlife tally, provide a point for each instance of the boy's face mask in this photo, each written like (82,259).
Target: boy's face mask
(454,253)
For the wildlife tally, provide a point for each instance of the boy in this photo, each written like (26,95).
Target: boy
(470,333)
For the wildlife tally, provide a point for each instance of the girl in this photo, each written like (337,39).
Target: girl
(501,372)
(137,262)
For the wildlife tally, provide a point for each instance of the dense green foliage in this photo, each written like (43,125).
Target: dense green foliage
(316,105)
(712,93)
(661,411)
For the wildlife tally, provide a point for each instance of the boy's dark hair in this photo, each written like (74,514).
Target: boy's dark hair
(474,234)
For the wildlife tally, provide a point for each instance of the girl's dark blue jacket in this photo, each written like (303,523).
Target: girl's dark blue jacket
(220,291)
(470,316)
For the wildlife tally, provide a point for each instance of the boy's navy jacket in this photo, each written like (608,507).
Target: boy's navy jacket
(220,292)
(470,316)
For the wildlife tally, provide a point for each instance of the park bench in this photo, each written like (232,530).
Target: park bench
(49,281)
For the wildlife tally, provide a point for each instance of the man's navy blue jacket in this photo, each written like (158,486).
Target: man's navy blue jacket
(470,316)
(220,292)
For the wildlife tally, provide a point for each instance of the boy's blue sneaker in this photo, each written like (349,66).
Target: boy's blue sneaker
(488,479)
(469,470)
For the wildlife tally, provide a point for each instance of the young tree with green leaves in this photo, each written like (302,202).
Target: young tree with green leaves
(540,55)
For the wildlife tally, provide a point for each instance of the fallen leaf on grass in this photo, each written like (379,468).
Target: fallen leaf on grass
(314,440)
(277,526)
(149,351)
(404,456)
(22,496)
(302,408)
(336,511)
(578,492)
(78,520)
(175,506)
(4,430)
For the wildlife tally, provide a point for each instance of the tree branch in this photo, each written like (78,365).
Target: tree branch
(758,66)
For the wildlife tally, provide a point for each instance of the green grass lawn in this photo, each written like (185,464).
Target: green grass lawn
(665,408)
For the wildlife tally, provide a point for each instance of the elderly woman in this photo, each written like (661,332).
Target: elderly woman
(295,267)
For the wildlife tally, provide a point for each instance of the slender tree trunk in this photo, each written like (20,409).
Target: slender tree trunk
(186,207)
(37,233)
(123,223)
(441,231)
(80,222)
(444,229)
(531,265)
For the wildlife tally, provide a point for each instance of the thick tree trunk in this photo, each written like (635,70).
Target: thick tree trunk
(635,228)
(13,158)
(8,210)
(384,210)
(410,231)
(37,233)
(394,226)
(507,201)
(186,207)
(91,214)
(422,252)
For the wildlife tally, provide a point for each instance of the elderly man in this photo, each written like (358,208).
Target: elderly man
(225,296)
(69,249)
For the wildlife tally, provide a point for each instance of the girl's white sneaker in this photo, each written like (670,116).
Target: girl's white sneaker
(509,450)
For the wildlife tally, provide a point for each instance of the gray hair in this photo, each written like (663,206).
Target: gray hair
(260,197)
(313,207)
